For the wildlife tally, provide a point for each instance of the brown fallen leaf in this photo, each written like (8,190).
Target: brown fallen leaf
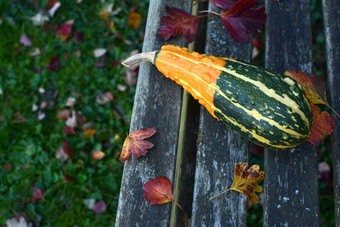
(245,181)
(135,144)
(158,191)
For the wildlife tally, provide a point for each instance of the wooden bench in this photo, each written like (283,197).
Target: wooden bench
(198,154)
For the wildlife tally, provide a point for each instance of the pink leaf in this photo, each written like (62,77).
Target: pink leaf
(69,131)
(99,207)
(24,40)
(38,194)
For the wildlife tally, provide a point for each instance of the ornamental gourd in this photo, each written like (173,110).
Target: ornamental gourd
(269,109)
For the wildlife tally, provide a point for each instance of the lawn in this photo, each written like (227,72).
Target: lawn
(63,96)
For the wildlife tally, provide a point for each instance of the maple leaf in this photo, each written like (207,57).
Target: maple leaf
(135,144)
(323,124)
(245,181)
(314,87)
(177,23)
(241,19)
(158,191)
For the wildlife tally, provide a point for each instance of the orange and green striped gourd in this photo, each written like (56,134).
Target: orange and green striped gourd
(269,109)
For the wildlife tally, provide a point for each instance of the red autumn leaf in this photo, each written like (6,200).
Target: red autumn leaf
(65,31)
(69,131)
(67,149)
(135,144)
(323,124)
(224,4)
(54,64)
(241,19)
(177,23)
(158,191)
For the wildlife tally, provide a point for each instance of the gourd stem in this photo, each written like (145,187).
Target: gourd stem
(136,59)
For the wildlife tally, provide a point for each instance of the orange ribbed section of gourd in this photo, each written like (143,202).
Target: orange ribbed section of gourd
(193,71)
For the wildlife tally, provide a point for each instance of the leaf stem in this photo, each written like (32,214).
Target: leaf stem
(219,194)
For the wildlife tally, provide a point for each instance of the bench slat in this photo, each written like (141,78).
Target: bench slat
(218,149)
(157,103)
(291,181)
(331,9)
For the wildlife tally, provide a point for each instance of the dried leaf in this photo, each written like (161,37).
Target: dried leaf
(68,149)
(99,52)
(323,124)
(39,18)
(53,7)
(135,143)
(64,32)
(89,133)
(63,114)
(70,101)
(106,11)
(104,98)
(177,23)
(134,20)
(158,191)
(18,222)
(60,154)
(97,155)
(241,19)
(245,181)
(37,194)
(89,203)
(54,64)
(24,40)
(69,131)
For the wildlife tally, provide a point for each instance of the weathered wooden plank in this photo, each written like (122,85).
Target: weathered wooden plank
(157,103)
(218,149)
(331,9)
(291,182)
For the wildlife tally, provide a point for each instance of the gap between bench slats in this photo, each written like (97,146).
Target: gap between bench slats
(291,181)
(331,9)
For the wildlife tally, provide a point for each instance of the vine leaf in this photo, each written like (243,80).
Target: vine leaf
(135,143)
(158,191)
(245,181)
(313,86)
(177,23)
(323,124)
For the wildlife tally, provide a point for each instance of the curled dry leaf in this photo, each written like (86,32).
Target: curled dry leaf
(245,181)
(98,155)
(63,114)
(323,124)
(135,143)
(158,191)
(104,98)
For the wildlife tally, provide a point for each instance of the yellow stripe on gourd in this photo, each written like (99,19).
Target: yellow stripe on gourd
(269,92)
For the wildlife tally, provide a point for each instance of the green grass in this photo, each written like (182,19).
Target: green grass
(29,147)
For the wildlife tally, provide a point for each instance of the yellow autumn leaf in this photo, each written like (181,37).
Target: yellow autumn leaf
(89,132)
(245,181)
(134,20)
